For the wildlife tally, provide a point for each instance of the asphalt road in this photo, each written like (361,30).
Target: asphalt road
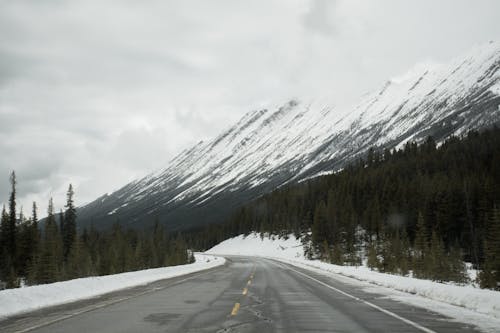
(245,295)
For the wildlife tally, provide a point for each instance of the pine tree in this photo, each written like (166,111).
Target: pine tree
(457,269)
(9,253)
(68,231)
(404,260)
(24,246)
(489,277)
(35,247)
(420,264)
(79,262)
(50,255)
(34,227)
(337,254)
(372,258)
(319,227)
(394,253)
(11,233)
(4,229)
(438,270)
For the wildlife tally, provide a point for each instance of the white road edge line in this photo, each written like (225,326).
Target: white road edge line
(387,312)
(102,305)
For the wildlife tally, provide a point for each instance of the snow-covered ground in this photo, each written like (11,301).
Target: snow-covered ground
(462,303)
(16,301)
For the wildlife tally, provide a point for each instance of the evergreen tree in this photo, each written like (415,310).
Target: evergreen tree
(421,260)
(437,270)
(11,233)
(69,225)
(50,254)
(405,257)
(9,246)
(31,266)
(372,258)
(4,227)
(34,227)
(337,254)
(79,262)
(319,227)
(489,276)
(25,245)
(457,270)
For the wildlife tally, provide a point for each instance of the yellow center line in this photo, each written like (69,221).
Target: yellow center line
(236,307)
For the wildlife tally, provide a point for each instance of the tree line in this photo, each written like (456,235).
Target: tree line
(423,209)
(32,255)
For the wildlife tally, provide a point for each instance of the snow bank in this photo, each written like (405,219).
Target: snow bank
(15,301)
(254,245)
(482,301)
(479,300)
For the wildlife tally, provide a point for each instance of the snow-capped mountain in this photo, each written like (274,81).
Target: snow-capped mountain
(271,147)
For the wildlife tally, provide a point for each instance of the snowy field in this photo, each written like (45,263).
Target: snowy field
(16,301)
(462,303)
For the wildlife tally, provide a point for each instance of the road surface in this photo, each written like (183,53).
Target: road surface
(245,295)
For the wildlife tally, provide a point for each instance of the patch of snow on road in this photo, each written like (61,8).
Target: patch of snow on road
(469,304)
(20,300)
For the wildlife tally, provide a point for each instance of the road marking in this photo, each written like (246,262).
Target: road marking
(249,282)
(387,312)
(245,290)
(236,307)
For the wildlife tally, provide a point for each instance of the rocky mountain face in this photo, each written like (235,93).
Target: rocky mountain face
(269,148)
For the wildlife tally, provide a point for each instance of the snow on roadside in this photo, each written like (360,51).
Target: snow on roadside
(484,303)
(254,245)
(16,301)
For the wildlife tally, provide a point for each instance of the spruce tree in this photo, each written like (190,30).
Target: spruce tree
(489,277)
(34,227)
(24,246)
(457,269)
(337,254)
(4,255)
(50,257)
(404,261)
(437,270)
(9,253)
(420,263)
(69,230)
(79,262)
(35,246)
(11,233)
(372,258)
(319,227)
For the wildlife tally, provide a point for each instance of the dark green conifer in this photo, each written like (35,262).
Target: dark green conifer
(69,225)
(489,277)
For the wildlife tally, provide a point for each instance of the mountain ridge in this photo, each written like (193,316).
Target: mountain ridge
(268,148)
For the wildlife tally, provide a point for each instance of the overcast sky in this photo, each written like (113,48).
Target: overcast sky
(98,93)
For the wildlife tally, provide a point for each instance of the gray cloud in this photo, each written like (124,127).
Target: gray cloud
(319,17)
(98,93)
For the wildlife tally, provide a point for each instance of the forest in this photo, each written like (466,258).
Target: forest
(424,209)
(31,255)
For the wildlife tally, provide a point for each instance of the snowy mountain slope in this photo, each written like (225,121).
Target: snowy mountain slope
(268,148)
